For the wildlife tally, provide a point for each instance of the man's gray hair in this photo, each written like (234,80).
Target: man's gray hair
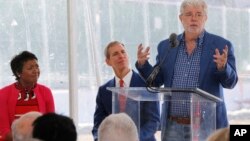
(186,3)
(111,44)
(22,128)
(118,127)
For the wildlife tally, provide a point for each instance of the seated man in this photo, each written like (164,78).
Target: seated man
(147,112)
(54,127)
(118,127)
(22,127)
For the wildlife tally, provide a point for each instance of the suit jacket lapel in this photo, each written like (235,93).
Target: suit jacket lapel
(170,64)
(134,82)
(206,57)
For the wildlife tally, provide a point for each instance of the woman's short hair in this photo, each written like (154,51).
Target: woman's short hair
(18,61)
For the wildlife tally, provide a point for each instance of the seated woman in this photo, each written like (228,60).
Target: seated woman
(25,94)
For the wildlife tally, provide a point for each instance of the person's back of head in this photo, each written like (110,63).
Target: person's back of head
(54,127)
(117,127)
(22,128)
(219,135)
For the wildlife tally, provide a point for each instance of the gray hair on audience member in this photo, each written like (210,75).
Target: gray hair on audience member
(22,127)
(118,127)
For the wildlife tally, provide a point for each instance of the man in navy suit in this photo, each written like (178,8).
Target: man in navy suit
(200,60)
(117,58)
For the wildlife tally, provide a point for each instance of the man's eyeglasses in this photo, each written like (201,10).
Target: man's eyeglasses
(191,15)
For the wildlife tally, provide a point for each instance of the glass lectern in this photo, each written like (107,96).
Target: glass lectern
(202,107)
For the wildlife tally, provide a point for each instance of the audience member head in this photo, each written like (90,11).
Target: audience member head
(19,63)
(219,135)
(117,127)
(22,128)
(54,127)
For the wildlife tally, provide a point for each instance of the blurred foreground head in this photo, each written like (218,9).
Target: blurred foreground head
(118,127)
(54,127)
(22,127)
(220,135)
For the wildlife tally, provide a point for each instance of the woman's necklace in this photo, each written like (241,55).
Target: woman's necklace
(25,93)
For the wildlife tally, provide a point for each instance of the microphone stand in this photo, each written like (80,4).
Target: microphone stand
(149,81)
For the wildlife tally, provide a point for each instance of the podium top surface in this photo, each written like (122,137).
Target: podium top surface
(159,94)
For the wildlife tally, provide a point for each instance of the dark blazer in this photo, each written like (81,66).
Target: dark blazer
(210,79)
(149,111)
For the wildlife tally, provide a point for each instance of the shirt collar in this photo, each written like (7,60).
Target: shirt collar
(200,38)
(126,79)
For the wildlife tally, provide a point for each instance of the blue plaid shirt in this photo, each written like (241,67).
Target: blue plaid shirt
(186,75)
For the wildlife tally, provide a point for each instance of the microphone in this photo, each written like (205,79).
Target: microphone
(173,41)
